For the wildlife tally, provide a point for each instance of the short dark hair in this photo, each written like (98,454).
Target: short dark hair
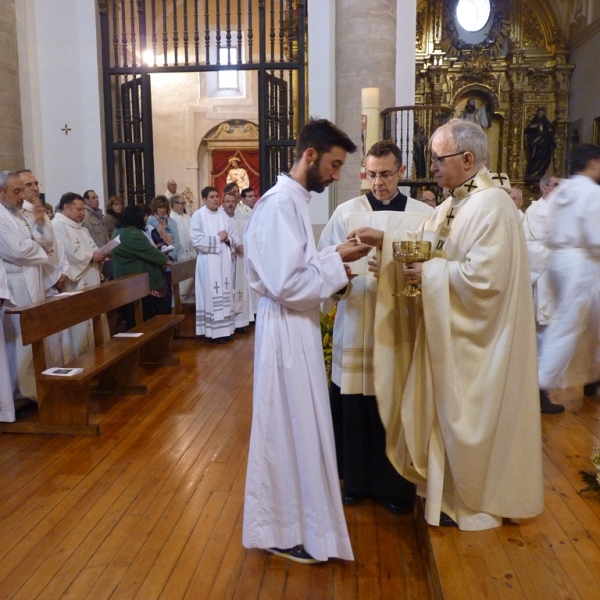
(87,193)
(207,190)
(582,156)
(229,194)
(322,135)
(132,216)
(230,186)
(246,191)
(67,199)
(385,148)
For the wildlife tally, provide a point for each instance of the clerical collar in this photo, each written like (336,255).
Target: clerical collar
(397,203)
(481,181)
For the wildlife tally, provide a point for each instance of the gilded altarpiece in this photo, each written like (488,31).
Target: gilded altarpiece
(519,65)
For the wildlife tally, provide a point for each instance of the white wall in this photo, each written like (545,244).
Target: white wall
(60,83)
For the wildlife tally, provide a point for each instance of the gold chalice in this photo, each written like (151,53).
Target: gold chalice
(409,252)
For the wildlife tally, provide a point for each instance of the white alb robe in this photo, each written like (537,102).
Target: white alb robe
(292,489)
(79,249)
(214,277)
(470,414)
(570,353)
(24,247)
(58,345)
(7,404)
(539,259)
(353,333)
(186,250)
(242,301)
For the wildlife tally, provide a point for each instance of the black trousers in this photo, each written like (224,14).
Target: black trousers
(360,450)
(151,305)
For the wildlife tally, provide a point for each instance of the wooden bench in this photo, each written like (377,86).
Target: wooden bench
(180,272)
(63,402)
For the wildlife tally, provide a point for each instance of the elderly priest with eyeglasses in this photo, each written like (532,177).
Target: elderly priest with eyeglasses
(468,429)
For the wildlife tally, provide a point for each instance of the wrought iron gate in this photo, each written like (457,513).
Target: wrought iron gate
(142,37)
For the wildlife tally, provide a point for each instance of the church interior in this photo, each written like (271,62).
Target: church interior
(122,96)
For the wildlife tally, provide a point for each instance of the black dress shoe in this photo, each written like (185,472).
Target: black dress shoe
(547,407)
(447,521)
(590,389)
(241,330)
(352,500)
(398,508)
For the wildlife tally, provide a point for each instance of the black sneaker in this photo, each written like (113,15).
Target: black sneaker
(547,407)
(297,554)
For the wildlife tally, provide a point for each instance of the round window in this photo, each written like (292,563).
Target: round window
(473,14)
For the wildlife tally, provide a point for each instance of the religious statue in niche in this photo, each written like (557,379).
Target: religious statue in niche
(539,144)
(477,115)
(419,151)
(237,174)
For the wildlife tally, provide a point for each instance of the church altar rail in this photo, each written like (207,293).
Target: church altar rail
(63,402)
(180,272)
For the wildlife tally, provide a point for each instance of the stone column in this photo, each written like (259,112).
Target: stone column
(11,131)
(365,57)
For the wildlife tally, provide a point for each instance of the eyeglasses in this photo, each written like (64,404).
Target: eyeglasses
(385,175)
(439,160)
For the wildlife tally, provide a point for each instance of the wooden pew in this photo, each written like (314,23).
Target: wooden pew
(63,402)
(180,272)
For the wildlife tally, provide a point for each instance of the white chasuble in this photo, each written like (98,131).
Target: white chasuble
(293,493)
(353,332)
(24,247)
(79,250)
(186,252)
(214,277)
(470,415)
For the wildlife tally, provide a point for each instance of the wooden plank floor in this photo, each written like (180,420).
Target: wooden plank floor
(153,507)
(554,556)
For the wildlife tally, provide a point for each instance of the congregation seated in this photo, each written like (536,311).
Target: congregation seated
(136,254)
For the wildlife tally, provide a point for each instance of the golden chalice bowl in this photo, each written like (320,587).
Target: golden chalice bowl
(409,252)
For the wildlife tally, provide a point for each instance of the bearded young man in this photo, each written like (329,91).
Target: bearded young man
(293,506)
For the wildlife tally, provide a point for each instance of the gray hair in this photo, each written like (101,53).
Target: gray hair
(5,176)
(175,198)
(467,137)
(547,179)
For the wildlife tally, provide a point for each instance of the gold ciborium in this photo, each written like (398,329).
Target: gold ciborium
(409,252)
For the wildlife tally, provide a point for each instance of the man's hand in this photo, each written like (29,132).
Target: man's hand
(98,256)
(412,272)
(374,266)
(349,273)
(223,236)
(352,250)
(239,249)
(61,283)
(39,214)
(367,235)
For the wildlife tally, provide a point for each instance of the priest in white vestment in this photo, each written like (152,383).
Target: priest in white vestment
(569,353)
(468,431)
(360,436)
(293,506)
(7,404)
(186,250)
(535,228)
(85,262)
(24,245)
(241,290)
(243,213)
(215,239)
(58,346)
